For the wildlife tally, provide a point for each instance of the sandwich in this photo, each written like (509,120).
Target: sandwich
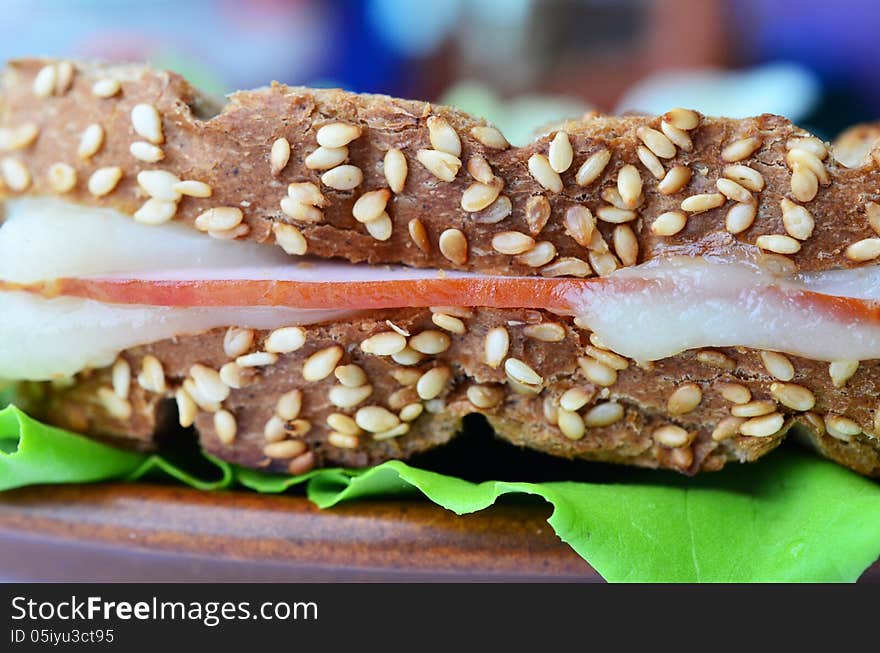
(315,278)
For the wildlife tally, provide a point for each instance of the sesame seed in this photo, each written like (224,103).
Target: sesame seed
(521,372)
(545,332)
(321,364)
(734,392)
(793,396)
(405,376)
(442,165)
(478,168)
(290,239)
(672,436)
(395,168)
(238,341)
(64,77)
(453,246)
(201,400)
(804,183)
(430,342)
(512,242)
(186,408)
(380,229)
(579,224)
(615,215)
(669,223)
(299,427)
(574,399)
(685,119)
(675,180)
(403,396)
(604,414)
(544,174)
(592,167)
(344,177)
(810,144)
(376,419)
(155,211)
(18,138)
(740,217)
(727,428)
(872,211)
(61,177)
(116,406)
(612,196)
(152,375)
(560,154)
(567,266)
(343,424)
(371,205)
(208,383)
(351,376)
(733,191)
(104,180)
(807,160)
(702,202)
(384,344)
(816,423)
(657,142)
(541,254)
(232,375)
(343,441)
(219,218)
(160,185)
(193,188)
(778,244)
(763,426)
(651,162)
(147,152)
(679,137)
(408,356)
(433,382)
(626,244)
(15,174)
(495,346)
(596,372)
(778,365)
(740,149)
(325,158)
(225,426)
(337,134)
(419,235)
(443,137)
(147,122)
(537,213)
(841,428)
(257,359)
(91,141)
(609,358)
(410,412)
(490,137)
(345,397)
(284,449)
(684,399)
(864,250)
(106,88)
(485,396)
(120,376)
(842,371)
(571,424)
(449,323)
(629,185)
(754,408)
(44,81)
(479,196)
(521,388)
(284,340)
(300,212)
(306,192)
(745,176)
(396,432)
(798,221)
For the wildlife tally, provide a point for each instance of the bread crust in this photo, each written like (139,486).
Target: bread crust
(231,153)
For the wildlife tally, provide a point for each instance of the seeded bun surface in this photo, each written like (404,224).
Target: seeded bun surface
(597,194)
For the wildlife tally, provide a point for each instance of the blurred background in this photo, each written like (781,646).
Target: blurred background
(521,63)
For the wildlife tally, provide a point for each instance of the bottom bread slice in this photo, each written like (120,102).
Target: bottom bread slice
(387,385)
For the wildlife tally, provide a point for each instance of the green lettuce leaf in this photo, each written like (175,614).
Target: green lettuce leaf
(791,517)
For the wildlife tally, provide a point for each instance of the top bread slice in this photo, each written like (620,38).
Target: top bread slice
(450,191)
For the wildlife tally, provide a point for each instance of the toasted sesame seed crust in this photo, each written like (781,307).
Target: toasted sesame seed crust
(538,395)
(230,153)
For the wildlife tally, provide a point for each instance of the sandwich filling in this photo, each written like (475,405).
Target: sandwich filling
(71,301)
